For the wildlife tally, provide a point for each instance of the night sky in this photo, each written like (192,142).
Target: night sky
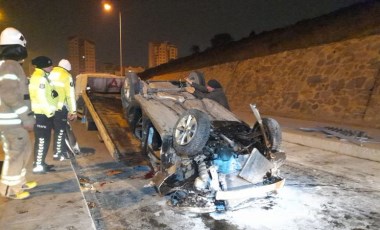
(47,24)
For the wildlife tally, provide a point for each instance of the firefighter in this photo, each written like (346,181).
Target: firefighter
(16,119)
(44,99)
(62,81)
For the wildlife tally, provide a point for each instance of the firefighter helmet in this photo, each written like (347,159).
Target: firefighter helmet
(65,64)
(11,36)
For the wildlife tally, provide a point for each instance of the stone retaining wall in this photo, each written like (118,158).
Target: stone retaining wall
(337,82)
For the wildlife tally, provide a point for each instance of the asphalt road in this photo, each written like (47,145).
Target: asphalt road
(323,190)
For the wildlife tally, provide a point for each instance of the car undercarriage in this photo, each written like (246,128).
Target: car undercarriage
(204,158)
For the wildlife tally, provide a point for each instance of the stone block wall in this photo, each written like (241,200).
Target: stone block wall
(336,82)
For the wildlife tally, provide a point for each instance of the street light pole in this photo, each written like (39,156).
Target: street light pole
(108,7)
(121,45)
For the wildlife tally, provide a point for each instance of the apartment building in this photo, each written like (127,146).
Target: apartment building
(81,55)
(161,52)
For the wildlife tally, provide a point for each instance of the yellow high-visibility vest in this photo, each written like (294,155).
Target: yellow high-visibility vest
(63,82)
(41,94)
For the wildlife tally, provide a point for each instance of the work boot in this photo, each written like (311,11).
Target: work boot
(58,157)
(20,195)
(48,166)
(41,169)
(29,185)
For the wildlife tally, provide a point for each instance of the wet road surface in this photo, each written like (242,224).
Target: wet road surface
(323,190)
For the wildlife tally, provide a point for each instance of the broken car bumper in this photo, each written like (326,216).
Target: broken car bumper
(250,192)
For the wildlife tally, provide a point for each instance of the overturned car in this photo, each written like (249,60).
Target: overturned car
(204,158)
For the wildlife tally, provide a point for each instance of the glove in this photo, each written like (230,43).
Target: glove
(72,116)
(190,89)
(189,81)
(29,124)
(28,121)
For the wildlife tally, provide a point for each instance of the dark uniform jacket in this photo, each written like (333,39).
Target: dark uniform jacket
(216,95)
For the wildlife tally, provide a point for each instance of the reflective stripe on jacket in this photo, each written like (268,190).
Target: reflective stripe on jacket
(41,96)
(11,180)
(63,82)
(14,109)
(10,118)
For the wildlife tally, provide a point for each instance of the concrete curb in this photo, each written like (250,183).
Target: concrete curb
(56,203)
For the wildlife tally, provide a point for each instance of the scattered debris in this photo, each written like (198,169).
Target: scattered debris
(85,184)
(114,172)
(85,151)
(150,184)
(102,183)
(149,175)
(22,211)
(91,205)
(187,200)
(83,180)
(355,136)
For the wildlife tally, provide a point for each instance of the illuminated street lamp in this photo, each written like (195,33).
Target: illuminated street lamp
(3,18)
(108,7)
(1,15)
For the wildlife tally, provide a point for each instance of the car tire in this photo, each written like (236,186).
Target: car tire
(150,140)
(197,77)
(131,109)
(191,132)
(130,88)
(135,121)
(273,133)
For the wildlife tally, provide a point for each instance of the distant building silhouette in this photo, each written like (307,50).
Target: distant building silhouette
(160,53)
(111,68)
(134,69)
(81,55)
(108,67)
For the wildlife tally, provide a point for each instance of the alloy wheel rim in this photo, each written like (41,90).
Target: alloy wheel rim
(186,130)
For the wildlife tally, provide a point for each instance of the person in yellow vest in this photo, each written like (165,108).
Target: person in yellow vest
(16,118)
(62,81)
(44,99)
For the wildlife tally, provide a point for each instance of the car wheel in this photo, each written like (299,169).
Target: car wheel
(191,132)
(197,77)
(272,131)
(130,88)
(151,140)
(135,122)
